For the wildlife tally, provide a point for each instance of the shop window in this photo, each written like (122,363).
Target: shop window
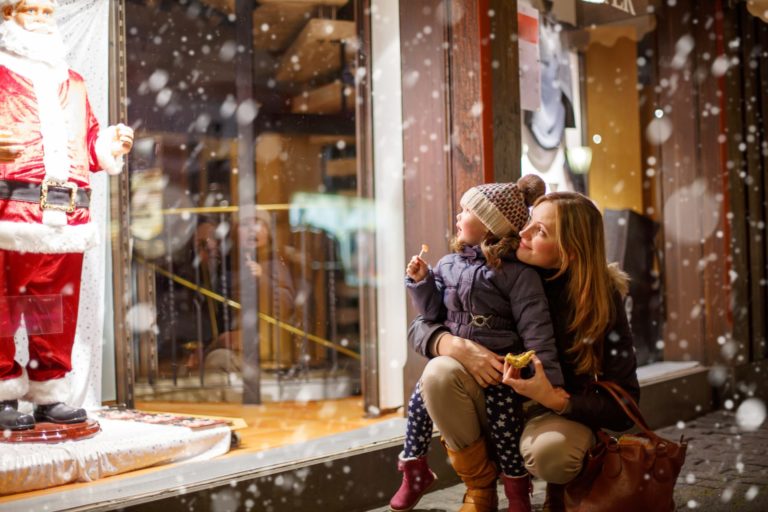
(191,241)
(591,124)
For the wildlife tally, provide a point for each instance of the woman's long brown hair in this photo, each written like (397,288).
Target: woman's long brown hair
(592,282)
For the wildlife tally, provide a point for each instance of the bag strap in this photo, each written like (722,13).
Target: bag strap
(628,404)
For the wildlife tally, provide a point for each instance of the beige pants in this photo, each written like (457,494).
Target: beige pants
(553,447)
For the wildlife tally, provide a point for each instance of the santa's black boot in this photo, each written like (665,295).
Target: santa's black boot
(59,412)
(12,419)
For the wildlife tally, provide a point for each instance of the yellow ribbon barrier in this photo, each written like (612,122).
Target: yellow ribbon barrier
(222,209)
(236,305)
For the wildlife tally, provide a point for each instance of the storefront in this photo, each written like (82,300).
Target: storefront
(271,271)
(251,266)
(646,107)
(290,156)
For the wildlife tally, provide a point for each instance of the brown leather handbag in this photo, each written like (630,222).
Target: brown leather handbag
(634,473)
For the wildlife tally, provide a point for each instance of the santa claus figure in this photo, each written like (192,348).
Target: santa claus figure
(50,142)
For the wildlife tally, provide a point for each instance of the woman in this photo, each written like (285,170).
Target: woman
(565,240)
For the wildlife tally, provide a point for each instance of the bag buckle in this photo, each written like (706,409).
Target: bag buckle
(480,320)
(50,183)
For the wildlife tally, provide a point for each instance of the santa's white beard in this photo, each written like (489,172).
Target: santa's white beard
(47,48)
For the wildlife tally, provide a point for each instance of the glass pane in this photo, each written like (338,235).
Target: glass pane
(192,245)
(594,126)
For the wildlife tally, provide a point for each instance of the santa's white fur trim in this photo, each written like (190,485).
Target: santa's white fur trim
(45,392)
(33,69)
(107,161)
(54,218)
(42,239)
(53,128)
(14,389)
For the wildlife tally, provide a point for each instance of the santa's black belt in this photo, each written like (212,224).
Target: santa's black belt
(491,321)
(51,195)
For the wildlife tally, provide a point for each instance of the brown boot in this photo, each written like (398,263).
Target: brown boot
(555,500)
(479,474)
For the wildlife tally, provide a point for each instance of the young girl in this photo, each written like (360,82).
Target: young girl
(483,293)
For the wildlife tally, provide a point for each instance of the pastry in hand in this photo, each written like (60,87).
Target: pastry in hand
(520,360)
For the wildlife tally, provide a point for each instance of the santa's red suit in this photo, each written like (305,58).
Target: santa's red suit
(42,240)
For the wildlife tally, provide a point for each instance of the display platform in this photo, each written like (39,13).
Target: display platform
(52,432)
(121,446)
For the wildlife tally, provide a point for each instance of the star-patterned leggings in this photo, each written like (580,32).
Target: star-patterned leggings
(505,420)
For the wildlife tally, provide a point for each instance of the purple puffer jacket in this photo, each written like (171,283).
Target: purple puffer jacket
(510,301)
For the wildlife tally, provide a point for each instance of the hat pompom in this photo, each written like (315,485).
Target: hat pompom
(532,188)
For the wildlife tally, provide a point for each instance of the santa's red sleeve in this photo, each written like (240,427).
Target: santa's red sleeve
(99,145)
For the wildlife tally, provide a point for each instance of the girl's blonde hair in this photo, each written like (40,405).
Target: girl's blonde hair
(592,282)
(493,247)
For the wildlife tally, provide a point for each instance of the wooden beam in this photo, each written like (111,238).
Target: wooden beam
(428,181)
(754,181)
(246,191)
(368,292)
(731,105)
(684,327)
(506,90)
(471,126)
(714,265)
(331,98)
(316,52)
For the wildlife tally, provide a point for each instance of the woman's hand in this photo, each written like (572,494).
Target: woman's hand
(484,366)
(536,388)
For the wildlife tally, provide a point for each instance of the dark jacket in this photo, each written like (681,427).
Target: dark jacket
(588,406)
(511,297)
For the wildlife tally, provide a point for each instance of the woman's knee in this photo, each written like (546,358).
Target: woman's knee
(551,457)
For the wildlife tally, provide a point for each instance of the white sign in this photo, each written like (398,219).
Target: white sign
(624,5)
(530,65)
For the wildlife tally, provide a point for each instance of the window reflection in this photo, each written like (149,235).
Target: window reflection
(301,247)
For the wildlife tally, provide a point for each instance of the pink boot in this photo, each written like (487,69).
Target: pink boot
(417,479)
(518,491)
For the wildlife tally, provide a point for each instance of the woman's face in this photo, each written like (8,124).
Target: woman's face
(538,245)
(254,235)
(469,229)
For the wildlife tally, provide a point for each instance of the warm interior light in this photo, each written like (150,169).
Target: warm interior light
(594,1)
(758,8)
(579,159)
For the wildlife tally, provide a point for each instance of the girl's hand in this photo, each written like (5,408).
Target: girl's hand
(253,267)
(417,269)
(484,366)
(536,388)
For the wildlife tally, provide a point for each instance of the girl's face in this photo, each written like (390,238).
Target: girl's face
(469,229)
(538,245)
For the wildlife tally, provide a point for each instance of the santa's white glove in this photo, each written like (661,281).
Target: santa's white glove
(123,139)
(112,143)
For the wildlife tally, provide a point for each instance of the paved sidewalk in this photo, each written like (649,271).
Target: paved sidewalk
(725,470)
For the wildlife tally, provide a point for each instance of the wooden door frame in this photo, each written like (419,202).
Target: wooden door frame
(461,116)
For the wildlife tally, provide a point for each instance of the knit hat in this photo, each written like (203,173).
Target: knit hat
(503,207)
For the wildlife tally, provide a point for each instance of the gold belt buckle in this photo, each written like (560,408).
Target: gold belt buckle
(480,320)
(47,183)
